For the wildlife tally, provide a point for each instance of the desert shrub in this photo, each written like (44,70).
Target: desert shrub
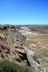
(7,66)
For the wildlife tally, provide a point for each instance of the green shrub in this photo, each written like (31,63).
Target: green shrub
(7,66)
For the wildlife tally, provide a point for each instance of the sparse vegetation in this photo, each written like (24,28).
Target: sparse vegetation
(7,66)
(14,40)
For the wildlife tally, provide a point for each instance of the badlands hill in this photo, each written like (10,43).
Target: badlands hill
(26,45)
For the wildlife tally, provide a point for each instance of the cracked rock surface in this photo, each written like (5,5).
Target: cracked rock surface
(23,46)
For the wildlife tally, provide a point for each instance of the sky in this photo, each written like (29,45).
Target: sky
(23,12)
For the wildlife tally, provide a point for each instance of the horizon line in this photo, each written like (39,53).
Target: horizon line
(23,24)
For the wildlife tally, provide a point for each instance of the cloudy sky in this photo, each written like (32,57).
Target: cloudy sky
(23,11)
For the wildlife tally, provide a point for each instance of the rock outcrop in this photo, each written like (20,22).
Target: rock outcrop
(12,47)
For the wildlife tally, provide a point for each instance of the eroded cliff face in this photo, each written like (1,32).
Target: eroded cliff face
(11,44)
(21,45)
